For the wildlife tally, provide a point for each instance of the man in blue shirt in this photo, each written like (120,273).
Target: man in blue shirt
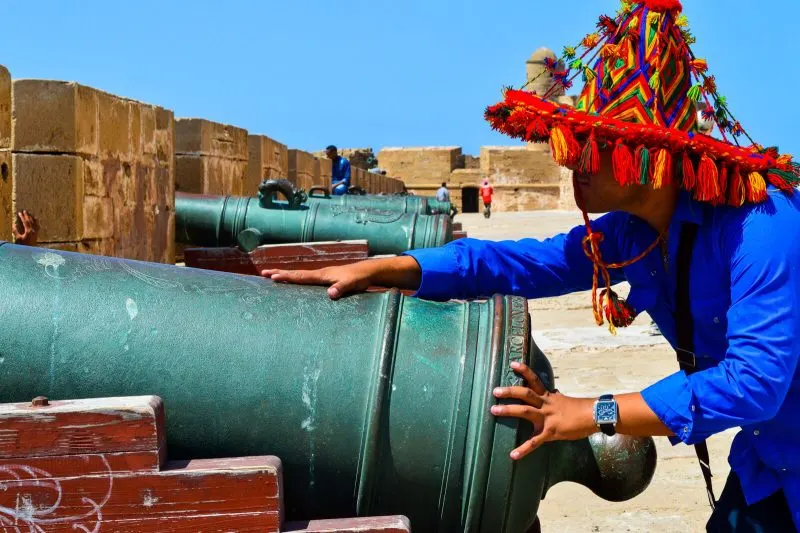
(745,279)
(340,171)
(705,231)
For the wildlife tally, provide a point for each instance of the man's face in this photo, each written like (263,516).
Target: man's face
(601,193)
(331,154)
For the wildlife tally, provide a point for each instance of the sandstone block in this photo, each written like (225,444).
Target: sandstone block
(148,129)
(106,247)
(5,108)
(203,137)
(302,168)
(7,213)
(114,119)
(165,135)
(326,171)
(51,187)
(532,198)
(62,246)
(420,166)
(98,219)
(190,174)
(267,159)
(512,165)
(465,176)
(54,116)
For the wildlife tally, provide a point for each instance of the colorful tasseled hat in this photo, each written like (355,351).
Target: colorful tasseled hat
(643,86)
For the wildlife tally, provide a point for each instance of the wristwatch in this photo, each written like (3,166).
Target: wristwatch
(605,414)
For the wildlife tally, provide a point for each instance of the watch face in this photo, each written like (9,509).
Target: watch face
(606,412)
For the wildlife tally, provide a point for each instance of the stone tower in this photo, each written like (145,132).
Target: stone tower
(536,71)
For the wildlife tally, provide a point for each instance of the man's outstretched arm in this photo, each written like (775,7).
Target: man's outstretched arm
(471,268)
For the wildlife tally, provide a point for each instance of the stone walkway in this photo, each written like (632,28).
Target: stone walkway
(588,361)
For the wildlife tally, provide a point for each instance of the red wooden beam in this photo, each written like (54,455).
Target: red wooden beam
(296,256)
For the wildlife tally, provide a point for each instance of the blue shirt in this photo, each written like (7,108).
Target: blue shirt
(745,286)
(442,194)
(340,171)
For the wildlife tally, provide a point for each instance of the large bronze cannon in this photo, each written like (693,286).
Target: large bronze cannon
(376,404)
(250,222)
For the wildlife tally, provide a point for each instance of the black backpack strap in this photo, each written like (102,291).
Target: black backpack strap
(685,336)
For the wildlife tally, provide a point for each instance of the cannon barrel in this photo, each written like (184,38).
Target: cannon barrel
(403,204)
(203,220)
(377,403)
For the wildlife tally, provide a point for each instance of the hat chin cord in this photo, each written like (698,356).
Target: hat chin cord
(617,311)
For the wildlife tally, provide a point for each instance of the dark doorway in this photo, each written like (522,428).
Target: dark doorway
(469,199)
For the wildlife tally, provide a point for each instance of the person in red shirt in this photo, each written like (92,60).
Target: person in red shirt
(486,196)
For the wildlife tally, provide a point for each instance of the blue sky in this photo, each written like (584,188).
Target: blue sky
(372,73)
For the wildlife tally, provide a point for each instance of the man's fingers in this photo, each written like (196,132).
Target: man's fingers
(530,377)
(524,394)
(528,446)
(525,412)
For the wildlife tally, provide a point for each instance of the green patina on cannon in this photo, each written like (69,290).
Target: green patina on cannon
(250,222)
(401,203)
(377,403)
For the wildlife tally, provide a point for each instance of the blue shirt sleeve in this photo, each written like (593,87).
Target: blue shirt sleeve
(761,248)
(471,268)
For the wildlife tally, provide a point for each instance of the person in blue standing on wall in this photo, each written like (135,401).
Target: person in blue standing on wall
(706,233)
(340,175)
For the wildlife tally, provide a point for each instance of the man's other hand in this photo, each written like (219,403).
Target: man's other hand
(26,229)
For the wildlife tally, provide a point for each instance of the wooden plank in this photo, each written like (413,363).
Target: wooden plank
(295,256)
(107,425)
(459,235)
(457,226)
(373,524)
(85,493)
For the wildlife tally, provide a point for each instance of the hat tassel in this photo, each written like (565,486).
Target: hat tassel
(590,157)
(622,163)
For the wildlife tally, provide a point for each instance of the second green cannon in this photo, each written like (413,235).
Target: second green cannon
(202,220)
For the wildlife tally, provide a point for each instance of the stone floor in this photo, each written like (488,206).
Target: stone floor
(588,361)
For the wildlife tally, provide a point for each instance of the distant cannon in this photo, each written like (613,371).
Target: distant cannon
(202,220)
(376,404)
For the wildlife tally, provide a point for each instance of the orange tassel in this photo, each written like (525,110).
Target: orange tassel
(622,163)
(566,149)
(689,178)
(662,172)
(736,190)
(707,175)
(756,188)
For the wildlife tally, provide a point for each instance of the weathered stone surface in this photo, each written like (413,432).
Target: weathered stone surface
(302,168)
(268,159)
(6,193)
(566,199)
(98,218)
(463,176)
(519,165)
(420,166)
(114,119)
(116,174)
(190,174)
(50,116)
(202,137)
(50,187)
(531,198)
(5,108)
(326,171)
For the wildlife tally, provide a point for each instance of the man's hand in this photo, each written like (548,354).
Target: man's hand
(554,416)
(26,229)
(402,272)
